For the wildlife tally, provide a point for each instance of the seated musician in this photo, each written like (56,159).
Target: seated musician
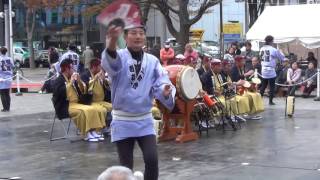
(67,89)
(293,77)
(239,76)
(95,79)
(205,65)
(206,77)
(191,61)
(221,84)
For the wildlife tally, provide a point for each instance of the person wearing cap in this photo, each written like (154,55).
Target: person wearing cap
(70,54)
(191,54)
(166,54)
(87,55)
(217,77)
(67,90)
(221,84)
(205,65)
(179,59)
(237,71)
(207,80)
(238,76)
(190,61)
(269,56)
(137,78)
(226,68)
(254,99)
(6,74)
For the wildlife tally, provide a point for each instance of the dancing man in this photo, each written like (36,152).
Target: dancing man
(269,56)
(137,78)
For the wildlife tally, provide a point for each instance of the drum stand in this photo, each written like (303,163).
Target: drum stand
(226,116)
(203,115)
(180,134)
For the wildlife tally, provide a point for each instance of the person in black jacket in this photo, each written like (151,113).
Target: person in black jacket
(205,65)
(205,75)
(59,98)
(53,55)
(237,71)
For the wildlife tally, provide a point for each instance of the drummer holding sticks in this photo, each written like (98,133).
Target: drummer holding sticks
(222,85)
(245,88)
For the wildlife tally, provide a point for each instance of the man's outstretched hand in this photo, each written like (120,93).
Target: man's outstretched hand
(167,91)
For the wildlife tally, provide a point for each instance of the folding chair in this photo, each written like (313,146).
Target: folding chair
(66,132)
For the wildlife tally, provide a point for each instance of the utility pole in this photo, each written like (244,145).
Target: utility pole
(221,32)
(8,26)
(10,49)
(246,24)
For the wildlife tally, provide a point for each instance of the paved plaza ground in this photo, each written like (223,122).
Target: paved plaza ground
(274,148)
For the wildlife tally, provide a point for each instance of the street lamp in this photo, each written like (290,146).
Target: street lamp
(8,15)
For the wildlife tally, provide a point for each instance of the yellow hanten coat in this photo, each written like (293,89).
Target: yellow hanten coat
(85,117)
(96,86)
(239,104)
(98,97)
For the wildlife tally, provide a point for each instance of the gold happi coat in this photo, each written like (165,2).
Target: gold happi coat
(85,117)
(238,104)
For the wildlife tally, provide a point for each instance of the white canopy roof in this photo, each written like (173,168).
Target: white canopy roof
(289,23)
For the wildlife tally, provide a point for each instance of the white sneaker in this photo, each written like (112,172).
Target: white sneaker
(97,136)
(204,124)
(256,118)
(138,175)
(240,119)
(211,123)
(90,138)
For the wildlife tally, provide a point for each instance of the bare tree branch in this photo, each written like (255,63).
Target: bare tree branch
(166,13)
(204,6)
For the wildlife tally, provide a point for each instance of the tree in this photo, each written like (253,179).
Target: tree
(32,6)
(185,16)
(256,8)
(94,9)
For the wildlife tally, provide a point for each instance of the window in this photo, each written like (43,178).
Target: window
(54,17)
(302,1)
(17,51)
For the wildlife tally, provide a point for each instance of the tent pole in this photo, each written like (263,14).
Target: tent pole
(318,85)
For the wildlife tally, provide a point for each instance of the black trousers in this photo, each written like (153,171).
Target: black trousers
(264,84)
(5,98)
(148,145)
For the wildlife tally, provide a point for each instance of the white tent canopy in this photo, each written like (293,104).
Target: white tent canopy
(287,24)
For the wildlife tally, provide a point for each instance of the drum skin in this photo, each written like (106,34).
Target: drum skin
(178,74)
(174,71)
